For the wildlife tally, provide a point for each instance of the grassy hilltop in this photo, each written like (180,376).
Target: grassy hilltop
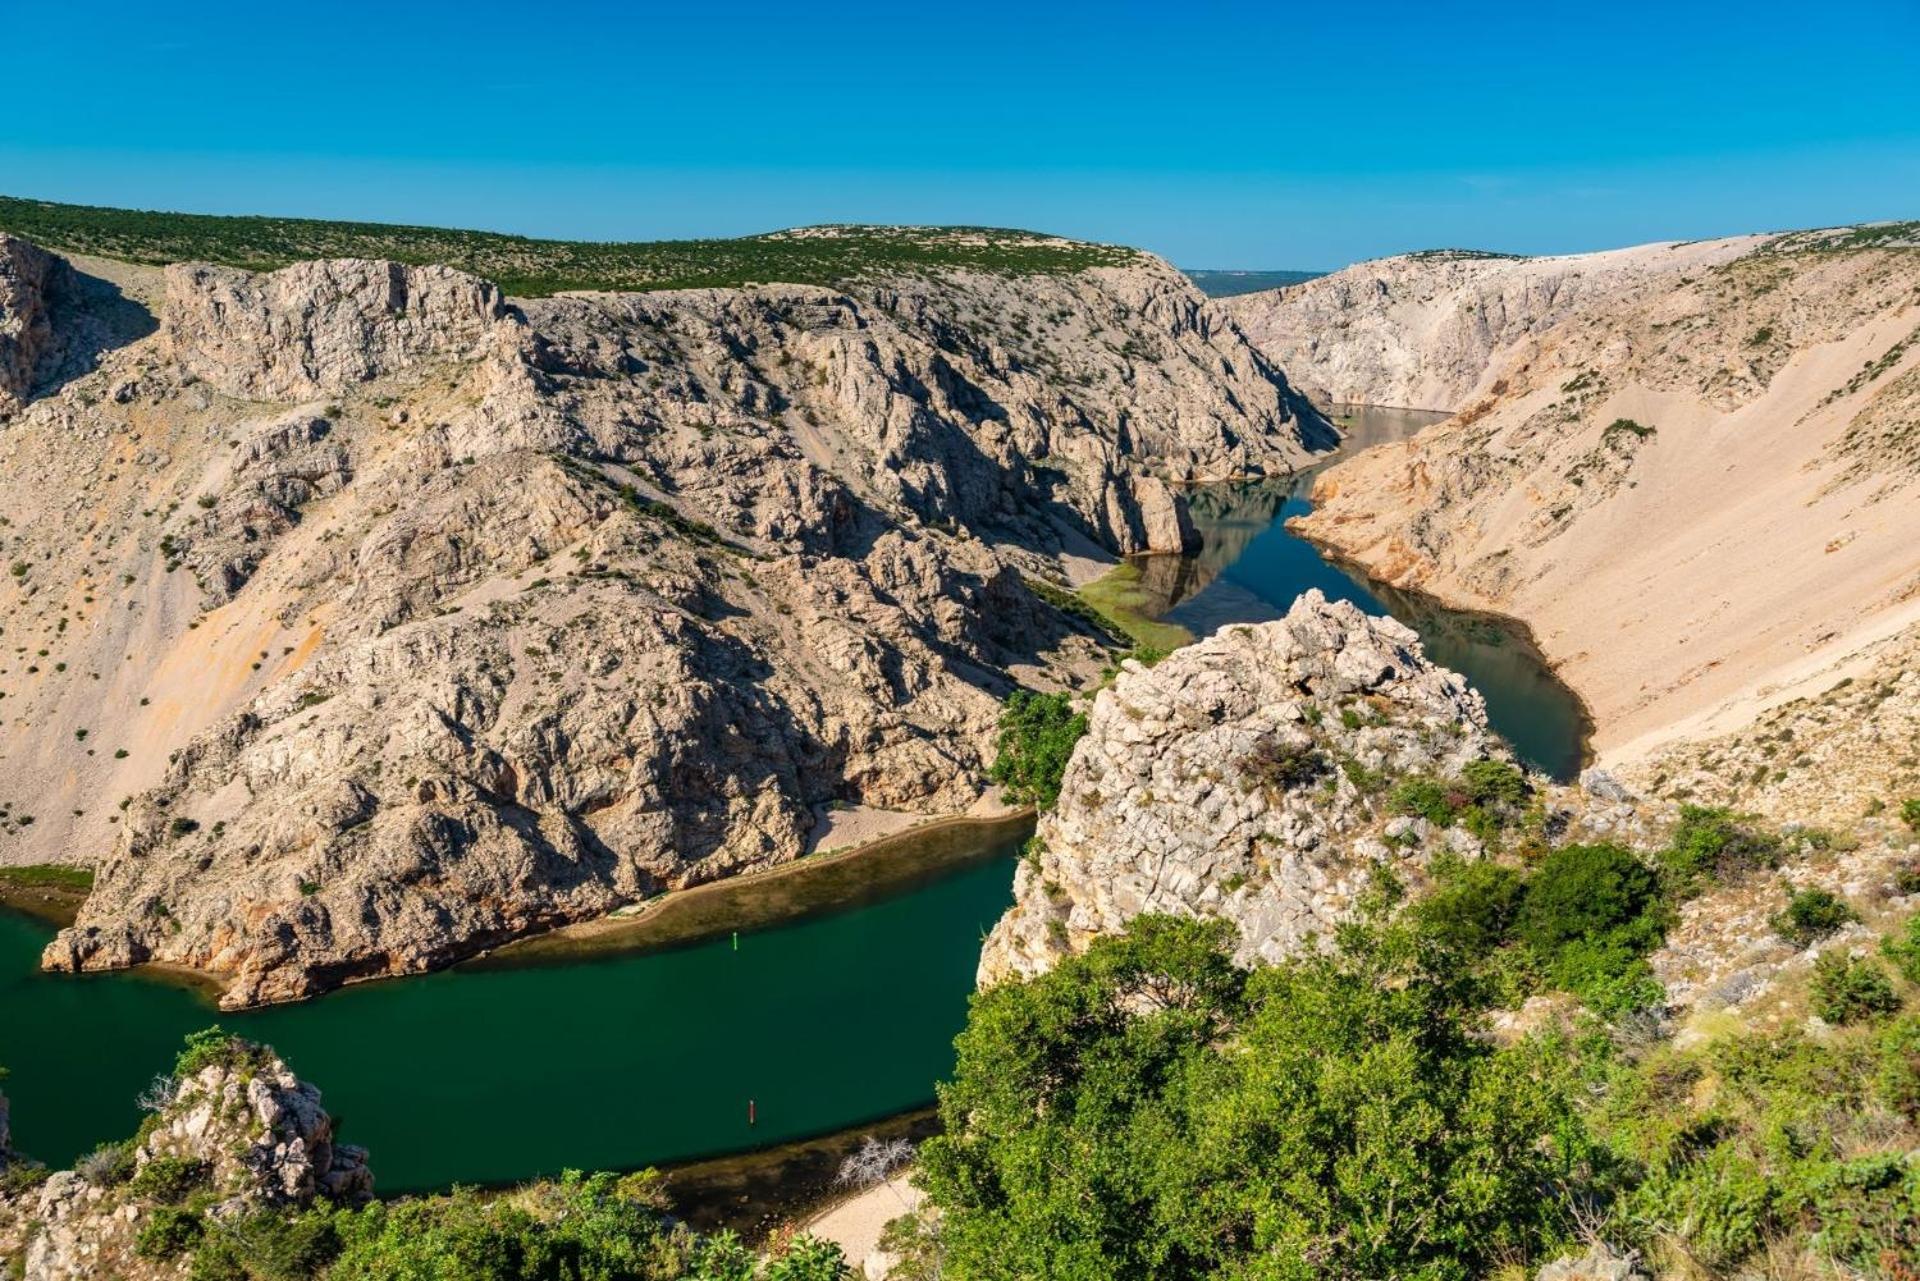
(533,268)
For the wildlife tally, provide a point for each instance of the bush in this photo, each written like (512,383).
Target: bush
(1495,784)
(207,1047)
(1710,846)
(1811,915)
(1897,1080)
(108,1165)
(1037,737)
(1283,765)
(1144,1110)
(1591,912)
(1427,798)
(168,1233)
(169,1178)
(1904,950)
(1846,990)
(1472,906)
(1910,812)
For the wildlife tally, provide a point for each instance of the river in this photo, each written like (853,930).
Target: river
(838,1006)
(1250,569)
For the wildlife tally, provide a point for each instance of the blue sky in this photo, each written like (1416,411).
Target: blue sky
(1218,134)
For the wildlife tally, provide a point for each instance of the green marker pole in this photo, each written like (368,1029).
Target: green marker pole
(736,940)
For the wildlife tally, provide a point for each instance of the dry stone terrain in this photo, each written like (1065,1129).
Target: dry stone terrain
(358,618)
(1690,468)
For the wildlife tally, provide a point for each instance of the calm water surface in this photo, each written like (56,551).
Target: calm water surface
(1251,569)
(489,1075)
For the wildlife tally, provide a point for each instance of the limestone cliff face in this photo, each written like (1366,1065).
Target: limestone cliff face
(319,327)
(1690,471)
(245,1131)
(494,616)
(28,277)
(1240,778)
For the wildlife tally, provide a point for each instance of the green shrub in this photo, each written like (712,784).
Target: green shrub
(1144,1110)
(1903,950)
(170,1178)
(1590,913)
(1495,784)
(1811,915)
(1710,846)
(1846,990)
(1427,798)
(209,1046)
(1897,1078)
(168,1233)
(1037,737)
(1910,812)
(1472,906)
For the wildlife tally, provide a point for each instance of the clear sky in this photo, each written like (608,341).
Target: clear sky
(1219,134)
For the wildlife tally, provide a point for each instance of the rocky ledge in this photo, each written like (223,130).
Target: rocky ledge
(230,1133)
(1242,778)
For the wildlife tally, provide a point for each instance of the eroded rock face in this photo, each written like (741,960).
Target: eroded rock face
(319,327)
(1213,784)
(247,1131)
(28,277)
(520,614)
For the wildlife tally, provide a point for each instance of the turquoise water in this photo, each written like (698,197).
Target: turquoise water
(490,1075)
(1250,569)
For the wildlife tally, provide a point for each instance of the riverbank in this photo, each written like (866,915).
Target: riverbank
(47,891)
(757,900)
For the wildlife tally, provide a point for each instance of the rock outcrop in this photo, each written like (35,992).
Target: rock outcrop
(1239,779)
(1687,473)
(316,328)
(509,615)
(28,278)
(237,1134)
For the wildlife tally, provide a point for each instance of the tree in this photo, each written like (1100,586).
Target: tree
(1149,1110)
(1037,736)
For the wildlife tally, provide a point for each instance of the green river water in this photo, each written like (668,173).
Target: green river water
(564,1054)
(483,1075)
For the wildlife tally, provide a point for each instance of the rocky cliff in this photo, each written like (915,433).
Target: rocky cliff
(1244,778)
(1689,468)
(364,619)
(29,277)
(1431,330)
(234,1133)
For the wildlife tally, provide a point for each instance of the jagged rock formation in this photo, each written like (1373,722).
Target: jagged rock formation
(516,614)
(28,277)
(238,1134)
(1691,472)
(1241,778)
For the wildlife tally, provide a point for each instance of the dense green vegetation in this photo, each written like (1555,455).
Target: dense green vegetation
(534,268)
(47,876)
(1037,735)
(1148,1110)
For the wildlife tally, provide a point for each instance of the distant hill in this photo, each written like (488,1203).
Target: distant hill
(1225,284)
(530,268)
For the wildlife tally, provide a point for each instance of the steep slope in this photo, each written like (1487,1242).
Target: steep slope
(1694,479)
(361,618)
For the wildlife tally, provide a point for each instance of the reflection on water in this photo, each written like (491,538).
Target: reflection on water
(1250,569)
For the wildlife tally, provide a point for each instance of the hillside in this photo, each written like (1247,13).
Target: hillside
(1690,468)
(531,268)
(361,619)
